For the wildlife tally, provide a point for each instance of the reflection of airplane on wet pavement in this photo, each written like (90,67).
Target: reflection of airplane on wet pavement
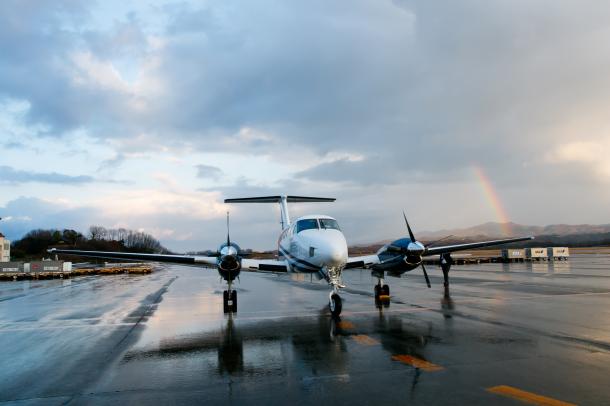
(312,244)
(309,335)
(316,345)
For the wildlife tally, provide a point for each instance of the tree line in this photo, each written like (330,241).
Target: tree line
(136,241)
(36,242)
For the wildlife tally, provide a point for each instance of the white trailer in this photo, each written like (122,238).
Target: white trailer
(513,254)
(558,253)
(536,254)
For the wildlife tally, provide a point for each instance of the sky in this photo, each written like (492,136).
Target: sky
(146,115)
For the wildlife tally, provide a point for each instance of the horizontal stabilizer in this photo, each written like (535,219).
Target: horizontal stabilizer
(277,199)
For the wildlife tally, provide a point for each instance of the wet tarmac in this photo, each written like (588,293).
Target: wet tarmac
(534,332)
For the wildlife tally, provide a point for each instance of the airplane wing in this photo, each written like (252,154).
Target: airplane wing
(468,246)
(247,265)
(263,265)
(131,256)
(366,261)
(362,261)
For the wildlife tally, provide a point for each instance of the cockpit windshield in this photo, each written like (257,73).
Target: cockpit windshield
(329,224)
(307,224)
(315,224)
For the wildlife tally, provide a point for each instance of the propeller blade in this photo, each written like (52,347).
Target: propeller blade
(426,275)
(408,227)
(228,239)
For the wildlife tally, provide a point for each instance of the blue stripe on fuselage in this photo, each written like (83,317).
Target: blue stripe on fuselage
(299,263)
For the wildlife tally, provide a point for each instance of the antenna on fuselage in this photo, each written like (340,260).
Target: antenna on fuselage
(283,200)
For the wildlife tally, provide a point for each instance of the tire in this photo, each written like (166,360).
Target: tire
(385,290)
(378,303)
(234,299)
(335,305)
(225,301)
(377,292)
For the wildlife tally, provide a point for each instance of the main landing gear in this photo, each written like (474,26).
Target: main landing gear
(446,262)
(382,293)
(229,300)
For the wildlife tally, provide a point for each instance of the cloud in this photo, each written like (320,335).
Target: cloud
(10,175)
(395,80)
(209,172)
(24,214)
(593,155)
(402,97)
(14,145)
(172,217)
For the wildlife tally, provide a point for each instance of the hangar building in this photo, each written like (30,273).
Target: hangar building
(5,249)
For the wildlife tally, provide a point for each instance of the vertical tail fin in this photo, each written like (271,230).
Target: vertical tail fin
(283,200)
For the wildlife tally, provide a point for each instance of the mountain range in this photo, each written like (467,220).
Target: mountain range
(497,230)
(580,235)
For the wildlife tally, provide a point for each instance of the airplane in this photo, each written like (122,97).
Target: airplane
(312,244)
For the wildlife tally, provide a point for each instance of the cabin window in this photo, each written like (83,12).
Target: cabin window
(329,224)
(307,224)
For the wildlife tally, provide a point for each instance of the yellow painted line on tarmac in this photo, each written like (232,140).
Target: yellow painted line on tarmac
(527,397)
(363,339)
(417,363)
(345,325)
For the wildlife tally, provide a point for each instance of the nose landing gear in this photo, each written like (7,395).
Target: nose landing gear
(335,304)
(229,300)
(333,276)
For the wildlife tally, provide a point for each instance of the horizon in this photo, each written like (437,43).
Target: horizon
(424,234)
(146,116)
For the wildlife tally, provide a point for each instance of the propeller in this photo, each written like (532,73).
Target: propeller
(419,251)
(425,275)
(229,254)
(408,227)
(228,238)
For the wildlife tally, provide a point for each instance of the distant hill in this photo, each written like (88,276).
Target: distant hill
(496,230)
(580,235)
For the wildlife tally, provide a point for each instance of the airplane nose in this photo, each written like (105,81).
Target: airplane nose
(336,254)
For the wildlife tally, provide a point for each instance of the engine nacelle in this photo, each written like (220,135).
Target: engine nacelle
(229,261)
(399,256)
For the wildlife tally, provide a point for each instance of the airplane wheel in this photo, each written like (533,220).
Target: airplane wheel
(385,290)
(335,305)
(377,292)
(234,299)
(225,301)
(378,303)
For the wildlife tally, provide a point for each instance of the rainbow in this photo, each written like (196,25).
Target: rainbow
(494,200)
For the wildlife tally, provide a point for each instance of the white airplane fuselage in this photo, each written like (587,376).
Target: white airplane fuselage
(314,244)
